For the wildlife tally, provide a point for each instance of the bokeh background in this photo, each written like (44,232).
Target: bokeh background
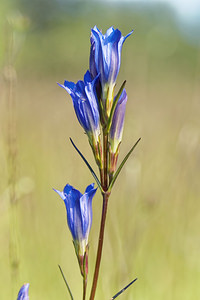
(154,212)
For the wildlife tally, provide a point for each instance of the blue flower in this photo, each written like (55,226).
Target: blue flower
(23,293)
(116,130)
(105,59)
(79,214)
(86,105)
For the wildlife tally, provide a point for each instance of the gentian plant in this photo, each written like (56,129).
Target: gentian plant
(101,113)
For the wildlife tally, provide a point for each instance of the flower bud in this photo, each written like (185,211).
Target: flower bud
(116,130)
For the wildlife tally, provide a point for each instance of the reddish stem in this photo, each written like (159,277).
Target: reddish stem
(84,287)
(104,183)
(100,246)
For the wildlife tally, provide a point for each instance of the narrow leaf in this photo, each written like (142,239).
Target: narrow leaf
(63,276)
(120,292)
(114,106)
(88,165)
(121,166)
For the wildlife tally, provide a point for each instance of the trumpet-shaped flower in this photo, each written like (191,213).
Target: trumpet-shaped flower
(86,106)
(116,130)
(23,292)
(85,103)
(105,59)
(79,215)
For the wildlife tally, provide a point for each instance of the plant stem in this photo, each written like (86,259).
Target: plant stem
(105,162)
(104,183)
(100,245)
(84,287)
(101,172)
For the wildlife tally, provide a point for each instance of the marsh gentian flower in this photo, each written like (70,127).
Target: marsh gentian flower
(105,59)
(79,214)
(86,106)
(116,130)
(85,103)
(23,293)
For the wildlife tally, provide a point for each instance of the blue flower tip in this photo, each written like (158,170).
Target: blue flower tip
(61,194)
(61,85)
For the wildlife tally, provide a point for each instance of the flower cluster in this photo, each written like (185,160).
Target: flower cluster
(93,98)
(101,112)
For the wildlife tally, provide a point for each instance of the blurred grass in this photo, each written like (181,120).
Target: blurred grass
(154,212)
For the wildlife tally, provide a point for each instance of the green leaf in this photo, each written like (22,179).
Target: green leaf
(88,165)
(120,292)
(121,166)
(114,106)
(63,276)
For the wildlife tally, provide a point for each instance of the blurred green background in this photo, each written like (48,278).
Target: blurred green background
(154,212)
